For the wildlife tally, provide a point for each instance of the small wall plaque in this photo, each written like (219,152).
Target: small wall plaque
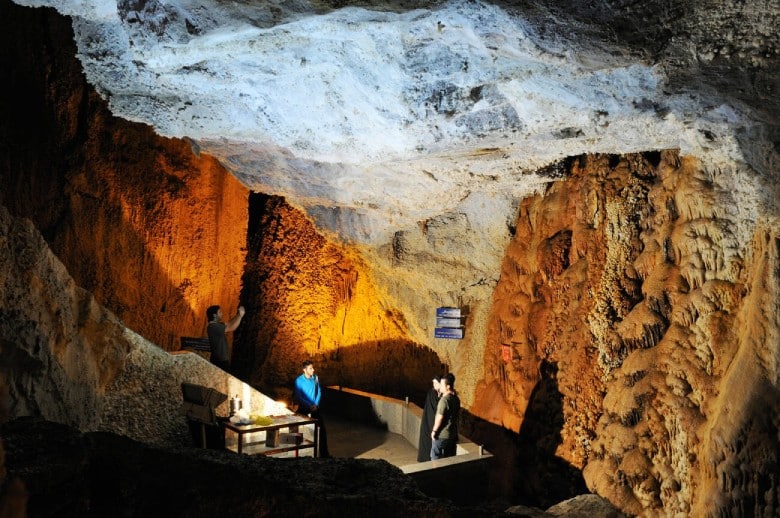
(448,322)
(446,312)
(448,332)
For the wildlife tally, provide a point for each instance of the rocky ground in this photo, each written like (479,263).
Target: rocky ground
(67,473)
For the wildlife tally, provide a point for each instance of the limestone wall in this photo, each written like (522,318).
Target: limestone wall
(634,334)
(141,222)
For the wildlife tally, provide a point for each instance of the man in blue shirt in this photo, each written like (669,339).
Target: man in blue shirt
(307,395)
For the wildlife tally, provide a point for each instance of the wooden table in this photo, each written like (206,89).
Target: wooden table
(267,446)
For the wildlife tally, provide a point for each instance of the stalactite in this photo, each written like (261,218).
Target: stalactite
(345,285)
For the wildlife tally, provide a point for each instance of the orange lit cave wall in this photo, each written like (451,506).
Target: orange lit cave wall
(155,232)
(158,233)
(634,336)
(308,298)
(166,233)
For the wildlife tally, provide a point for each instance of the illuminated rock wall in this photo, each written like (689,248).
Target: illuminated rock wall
(690,414)
(642,290)
(309,298)
(179,226)
(155,232)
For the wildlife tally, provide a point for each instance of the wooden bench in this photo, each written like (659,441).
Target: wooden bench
(199,407)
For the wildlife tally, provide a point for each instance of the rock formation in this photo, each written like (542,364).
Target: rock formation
(83,177)
(69,361)
(310,298)
(606,214)
(629,278)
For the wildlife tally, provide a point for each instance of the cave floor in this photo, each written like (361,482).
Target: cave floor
(347,439)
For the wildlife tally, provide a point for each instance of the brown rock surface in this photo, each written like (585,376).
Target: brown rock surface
(60,348)
(139,221)
(632,287)
(310,298)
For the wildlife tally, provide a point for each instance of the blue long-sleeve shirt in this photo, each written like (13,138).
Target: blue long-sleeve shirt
(307,393)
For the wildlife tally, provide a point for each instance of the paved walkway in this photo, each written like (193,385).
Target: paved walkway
(348,439)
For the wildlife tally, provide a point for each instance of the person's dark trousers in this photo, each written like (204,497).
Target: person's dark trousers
(442,448)
(323,434)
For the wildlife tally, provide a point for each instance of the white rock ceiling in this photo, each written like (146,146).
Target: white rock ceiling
(372,121)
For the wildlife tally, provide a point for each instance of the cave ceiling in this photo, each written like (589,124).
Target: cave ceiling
(373,116)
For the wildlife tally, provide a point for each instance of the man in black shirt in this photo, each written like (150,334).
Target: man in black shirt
(444,434)
(426,423)
(216,331)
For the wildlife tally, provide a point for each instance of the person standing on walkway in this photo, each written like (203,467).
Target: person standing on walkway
(426,423)
(444,434)
(216,330)
(307,395)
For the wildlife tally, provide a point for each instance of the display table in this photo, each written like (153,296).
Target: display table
(272,442)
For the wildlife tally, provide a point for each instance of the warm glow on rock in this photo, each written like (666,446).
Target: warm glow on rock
(156,232)
(309,298)
(179,223)
(623,301)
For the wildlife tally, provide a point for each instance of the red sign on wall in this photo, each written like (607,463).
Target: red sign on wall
(506,353)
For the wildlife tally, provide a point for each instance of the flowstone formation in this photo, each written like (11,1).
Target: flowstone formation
(698,387)
(642,287)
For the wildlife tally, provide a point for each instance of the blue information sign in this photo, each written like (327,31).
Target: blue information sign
(448,332)
(447,312)
(448,322)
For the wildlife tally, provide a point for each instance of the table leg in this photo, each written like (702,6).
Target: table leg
(316,439)
(203,436)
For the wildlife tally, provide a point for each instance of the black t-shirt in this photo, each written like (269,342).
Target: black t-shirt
(218,341)
(449,407)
